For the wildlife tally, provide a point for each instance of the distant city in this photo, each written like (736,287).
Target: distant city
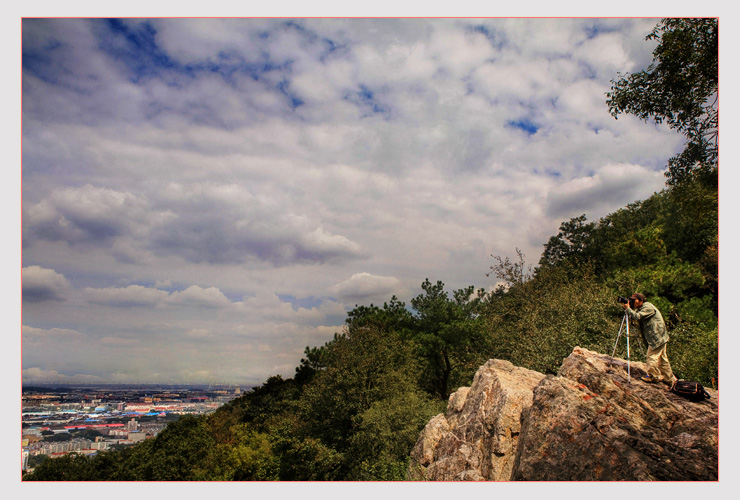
(86,419)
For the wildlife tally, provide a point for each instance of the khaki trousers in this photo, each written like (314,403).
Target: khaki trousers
(658,366)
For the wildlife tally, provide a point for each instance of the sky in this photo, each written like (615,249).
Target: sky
(202,199)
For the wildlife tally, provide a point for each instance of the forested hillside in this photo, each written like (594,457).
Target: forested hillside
(355,406)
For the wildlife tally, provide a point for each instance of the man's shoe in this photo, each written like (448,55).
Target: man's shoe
(648,379)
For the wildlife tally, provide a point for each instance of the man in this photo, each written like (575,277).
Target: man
(652,328)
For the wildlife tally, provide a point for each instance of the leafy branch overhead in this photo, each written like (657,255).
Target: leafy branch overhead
(680,87)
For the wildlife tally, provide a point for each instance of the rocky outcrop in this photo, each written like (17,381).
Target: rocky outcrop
(587,423)
(476,439)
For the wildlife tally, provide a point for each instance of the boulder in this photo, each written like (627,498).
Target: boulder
(476,439)
(589,422)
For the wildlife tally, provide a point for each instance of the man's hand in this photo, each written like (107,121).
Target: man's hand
(625,306)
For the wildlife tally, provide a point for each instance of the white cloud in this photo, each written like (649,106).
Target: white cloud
(604,53)
(131,296)
(39,375)
(41,284)
(229,224)
(198,333)
(195,296)
(251,179)
(614,185)
(30,332)
(87,214)
(365,286)
(147,297)
(118,342)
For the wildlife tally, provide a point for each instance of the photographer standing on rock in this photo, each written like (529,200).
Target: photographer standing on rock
(653,330)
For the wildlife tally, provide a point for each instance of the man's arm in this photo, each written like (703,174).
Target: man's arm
(645,312)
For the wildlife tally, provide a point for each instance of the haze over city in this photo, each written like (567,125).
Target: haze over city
(204,198)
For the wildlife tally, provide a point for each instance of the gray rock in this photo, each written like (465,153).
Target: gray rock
(476,438)
(587,423)
(590,423)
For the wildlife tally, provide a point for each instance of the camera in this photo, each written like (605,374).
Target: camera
(626,300)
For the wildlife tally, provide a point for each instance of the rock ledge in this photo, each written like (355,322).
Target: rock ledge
(587,423)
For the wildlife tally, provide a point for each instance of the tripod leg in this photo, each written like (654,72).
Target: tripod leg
(628,348)
(618,335)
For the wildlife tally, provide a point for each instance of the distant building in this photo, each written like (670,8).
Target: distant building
(100,445)
(136,437)
(139,408)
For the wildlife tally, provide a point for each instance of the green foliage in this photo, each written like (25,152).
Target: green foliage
(536,324)
(259,405)
(692,217)
(245,456)
(90,434)
(680,88)
(386,432)
(693,351)
(512,273)
(177,451)
(697,310)
(58,438)
(393,316)
(314,361)
(672,279)
(450,335)
(366,365)
(571,242)
(36,460)
(70,467)
(303,457)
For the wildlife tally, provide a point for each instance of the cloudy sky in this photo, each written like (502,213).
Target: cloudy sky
(204,198)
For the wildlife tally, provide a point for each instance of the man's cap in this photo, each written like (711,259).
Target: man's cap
(638,296)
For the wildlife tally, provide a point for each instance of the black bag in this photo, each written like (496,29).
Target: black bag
(693,391)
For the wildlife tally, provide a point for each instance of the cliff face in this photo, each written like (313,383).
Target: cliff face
(587,423)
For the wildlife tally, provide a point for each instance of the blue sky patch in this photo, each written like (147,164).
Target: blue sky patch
(365,98)
(284,88)
(303,303)
(526,125)
(599,28)
(137,48)
(495,38)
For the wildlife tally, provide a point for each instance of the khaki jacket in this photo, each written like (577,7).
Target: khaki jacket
(652,326)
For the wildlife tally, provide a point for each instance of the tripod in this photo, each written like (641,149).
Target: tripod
(626,327)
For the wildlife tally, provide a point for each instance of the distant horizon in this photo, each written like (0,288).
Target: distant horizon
(60,386)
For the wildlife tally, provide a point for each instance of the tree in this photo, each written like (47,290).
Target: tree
(343,423)
(314,362)
(450,334)
(572,240)
(69,467)
(512,273)
(176,453)
(537,320)
(393,316)
(680,88)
